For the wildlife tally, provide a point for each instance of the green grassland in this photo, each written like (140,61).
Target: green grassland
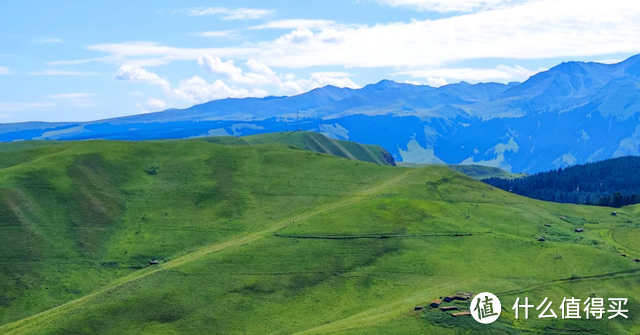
(314,142)
(255,236)
(477,172)
(482,172)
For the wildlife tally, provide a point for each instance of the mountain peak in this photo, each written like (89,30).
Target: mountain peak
(384,84)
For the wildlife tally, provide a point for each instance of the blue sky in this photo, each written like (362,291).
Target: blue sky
(87,60)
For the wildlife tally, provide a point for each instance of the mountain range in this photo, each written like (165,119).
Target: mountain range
(573,113)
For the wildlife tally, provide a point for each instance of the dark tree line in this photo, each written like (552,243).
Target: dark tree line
(613,182)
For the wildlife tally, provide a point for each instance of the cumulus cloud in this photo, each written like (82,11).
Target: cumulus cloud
(136,73)
(316,80)
(197,90)
(436,82)
(233,82)
(154,105)
(232,13)
(216,66)
(299,36)
(262,75)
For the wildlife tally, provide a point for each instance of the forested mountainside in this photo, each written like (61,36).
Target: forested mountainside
(612,182)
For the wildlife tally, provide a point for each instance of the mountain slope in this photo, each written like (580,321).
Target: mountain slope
(573,113)
(612,182)
(268,238)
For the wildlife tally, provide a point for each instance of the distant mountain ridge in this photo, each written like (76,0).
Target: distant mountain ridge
(573,113)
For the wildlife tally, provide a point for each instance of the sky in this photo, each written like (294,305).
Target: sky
(89,60)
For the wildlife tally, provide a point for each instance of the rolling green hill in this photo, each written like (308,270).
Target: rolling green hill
(315,142)
(480,172)
(271,239)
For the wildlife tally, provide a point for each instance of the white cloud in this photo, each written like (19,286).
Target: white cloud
(500,73)
(4,70)
(154,105)
(77,61)
(262,75)
(197,90)
(299,36)
(152,54)
(48,40)
(216,66)
(136,93)
(62,73)
(444,6)
(232,13)
(218,34)
(538,29)
(609,61)
(295,24)
(316,80)
(430,81)
(436,82)
(136,73)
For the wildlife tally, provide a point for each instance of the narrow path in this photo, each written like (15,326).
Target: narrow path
(51,314)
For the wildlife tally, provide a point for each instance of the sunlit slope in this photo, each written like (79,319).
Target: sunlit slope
(76,215)
(481,172)
(477,172)
(269,239)
(319,143)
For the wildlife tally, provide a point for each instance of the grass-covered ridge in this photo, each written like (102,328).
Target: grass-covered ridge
(315,142)
(480,172)
(268,238)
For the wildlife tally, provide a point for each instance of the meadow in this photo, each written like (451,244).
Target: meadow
(257,236)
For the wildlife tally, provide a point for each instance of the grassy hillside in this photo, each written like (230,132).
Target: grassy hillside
(480,172)
(315,142)
(266,238)
(477,172)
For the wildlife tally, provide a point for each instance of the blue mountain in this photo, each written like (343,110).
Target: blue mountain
(573,113)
